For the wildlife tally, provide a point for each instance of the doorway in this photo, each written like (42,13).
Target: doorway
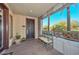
(30,28)
(4,27)
(1,32)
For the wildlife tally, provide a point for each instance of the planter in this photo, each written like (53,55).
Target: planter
(18,41)
(11,41)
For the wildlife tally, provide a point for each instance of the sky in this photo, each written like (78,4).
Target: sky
(62,15)
(45,21)
(74,11)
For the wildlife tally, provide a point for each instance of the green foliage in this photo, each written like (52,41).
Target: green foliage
(74,25)
(45,28)
(58,28)
(18,36)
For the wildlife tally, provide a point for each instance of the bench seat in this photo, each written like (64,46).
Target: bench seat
(46,40)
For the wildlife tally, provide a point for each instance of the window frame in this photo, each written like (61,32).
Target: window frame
(58,11)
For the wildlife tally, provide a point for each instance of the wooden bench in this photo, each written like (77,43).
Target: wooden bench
(45,40)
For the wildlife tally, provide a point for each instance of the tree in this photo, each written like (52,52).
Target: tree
(45,28)
(74,25)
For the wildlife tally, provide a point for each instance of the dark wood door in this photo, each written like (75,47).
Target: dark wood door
(4,27)
(0,31)
(30,28)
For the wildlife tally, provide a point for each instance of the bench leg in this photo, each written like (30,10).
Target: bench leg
(48,45)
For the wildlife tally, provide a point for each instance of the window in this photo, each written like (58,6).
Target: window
(59,19)
(66,19)
(74,17)
(45,25)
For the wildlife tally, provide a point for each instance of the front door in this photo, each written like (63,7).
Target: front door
(1,32)
(4,34)
(30,28)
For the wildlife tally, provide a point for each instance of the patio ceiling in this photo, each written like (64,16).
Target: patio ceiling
(32,9)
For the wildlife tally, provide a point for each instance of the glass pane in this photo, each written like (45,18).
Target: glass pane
(59,19)
(74,16)
(45,24)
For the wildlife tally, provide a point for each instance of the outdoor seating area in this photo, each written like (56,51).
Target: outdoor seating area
(42,24)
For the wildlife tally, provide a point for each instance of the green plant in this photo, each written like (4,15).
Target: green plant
(18,36)
(58,28)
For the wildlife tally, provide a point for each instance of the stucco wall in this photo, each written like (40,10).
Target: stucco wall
(19,21)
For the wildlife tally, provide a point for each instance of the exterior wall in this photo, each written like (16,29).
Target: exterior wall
(18,21)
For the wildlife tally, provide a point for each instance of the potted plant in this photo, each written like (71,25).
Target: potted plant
(18,38)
